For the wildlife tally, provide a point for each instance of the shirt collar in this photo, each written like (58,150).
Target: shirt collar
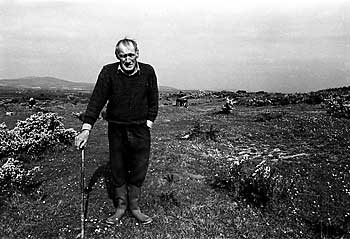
(137,70)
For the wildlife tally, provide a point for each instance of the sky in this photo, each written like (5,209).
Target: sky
(270,45)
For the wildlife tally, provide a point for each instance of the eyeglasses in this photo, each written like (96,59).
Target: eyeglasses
(124,56)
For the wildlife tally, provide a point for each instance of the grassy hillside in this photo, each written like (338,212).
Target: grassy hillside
(190,190)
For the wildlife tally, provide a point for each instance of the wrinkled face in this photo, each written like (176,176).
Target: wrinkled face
(128,57)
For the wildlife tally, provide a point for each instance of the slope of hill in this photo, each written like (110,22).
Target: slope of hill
(53,83)
(45,83)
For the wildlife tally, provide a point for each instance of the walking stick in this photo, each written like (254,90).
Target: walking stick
(82,188)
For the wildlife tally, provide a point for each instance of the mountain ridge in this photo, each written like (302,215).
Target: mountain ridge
(48,82)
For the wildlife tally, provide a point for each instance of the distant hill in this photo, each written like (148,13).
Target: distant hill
(167,88)
(52,83)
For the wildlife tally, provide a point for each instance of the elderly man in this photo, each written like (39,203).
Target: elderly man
(131,89)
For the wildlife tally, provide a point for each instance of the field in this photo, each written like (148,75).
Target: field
(272,171)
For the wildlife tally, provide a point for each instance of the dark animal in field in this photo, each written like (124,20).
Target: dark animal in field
(31,102)
(182,101)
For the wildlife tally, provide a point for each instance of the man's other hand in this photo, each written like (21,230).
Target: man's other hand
(149,124)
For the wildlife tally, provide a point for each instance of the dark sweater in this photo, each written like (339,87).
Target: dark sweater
(131,99)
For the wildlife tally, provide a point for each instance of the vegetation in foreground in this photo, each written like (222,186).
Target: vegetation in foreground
(211,176)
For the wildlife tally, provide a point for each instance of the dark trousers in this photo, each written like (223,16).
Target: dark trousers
(129,151)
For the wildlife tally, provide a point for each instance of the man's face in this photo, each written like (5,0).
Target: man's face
(128,57)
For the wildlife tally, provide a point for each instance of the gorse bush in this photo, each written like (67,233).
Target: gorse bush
(254,183)
(14,176)
(10,142)
(311,190)
(29,137)
(34,135)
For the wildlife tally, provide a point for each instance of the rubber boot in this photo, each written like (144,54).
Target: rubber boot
(134,194)
(122,204)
